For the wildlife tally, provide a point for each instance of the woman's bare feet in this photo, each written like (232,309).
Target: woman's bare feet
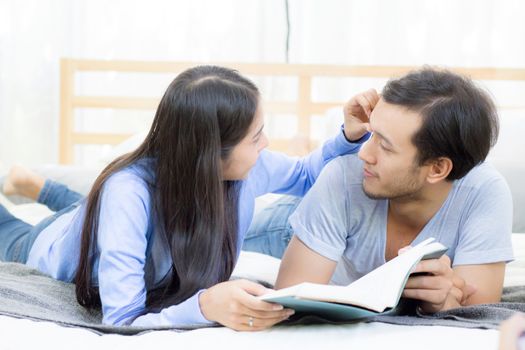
(22,181)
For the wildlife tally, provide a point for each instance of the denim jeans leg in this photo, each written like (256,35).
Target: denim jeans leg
(57,196)
(13,233)
(270,231)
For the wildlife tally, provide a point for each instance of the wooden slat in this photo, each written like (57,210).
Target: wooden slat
(280,107)
(98,139)
(512,74)
(303,102)
(269,106)
(283,69)
(115,102)
(320,108)
(152,103)
(66,112)
(113,139)
(288,146)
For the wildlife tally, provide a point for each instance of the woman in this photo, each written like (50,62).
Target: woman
(512,333)
(157,238)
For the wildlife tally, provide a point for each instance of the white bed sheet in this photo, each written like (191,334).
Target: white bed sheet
(26,334)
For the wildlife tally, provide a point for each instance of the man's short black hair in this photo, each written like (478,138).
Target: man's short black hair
(460,120)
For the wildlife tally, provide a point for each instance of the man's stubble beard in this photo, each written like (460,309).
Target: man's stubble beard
(407,190)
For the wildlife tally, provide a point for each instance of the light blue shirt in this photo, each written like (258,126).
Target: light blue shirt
(337,220)
(124,267)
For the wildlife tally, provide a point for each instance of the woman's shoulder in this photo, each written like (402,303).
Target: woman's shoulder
(135,179)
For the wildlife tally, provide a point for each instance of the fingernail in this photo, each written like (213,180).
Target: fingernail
(278,307)
(290,312)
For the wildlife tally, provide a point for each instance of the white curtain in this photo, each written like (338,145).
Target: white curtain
(35,34)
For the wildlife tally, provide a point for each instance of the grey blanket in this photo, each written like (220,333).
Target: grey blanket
(27,293)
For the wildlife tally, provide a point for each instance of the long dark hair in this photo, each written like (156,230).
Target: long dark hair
(205,112)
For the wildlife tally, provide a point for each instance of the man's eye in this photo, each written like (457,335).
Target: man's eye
(384,148)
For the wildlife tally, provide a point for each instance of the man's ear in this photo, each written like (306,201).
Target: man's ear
(439,169)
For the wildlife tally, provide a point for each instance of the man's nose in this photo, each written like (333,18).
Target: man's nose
(365,153)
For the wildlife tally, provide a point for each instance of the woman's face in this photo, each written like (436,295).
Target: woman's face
(245,153)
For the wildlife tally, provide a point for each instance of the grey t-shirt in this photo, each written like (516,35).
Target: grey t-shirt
(337,220)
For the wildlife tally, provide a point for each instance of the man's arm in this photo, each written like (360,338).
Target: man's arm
(487,279)
(483,248)
(302,264)
(484,244)
(444,288)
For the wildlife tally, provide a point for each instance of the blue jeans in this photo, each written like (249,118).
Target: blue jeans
(270,232)
(17,236)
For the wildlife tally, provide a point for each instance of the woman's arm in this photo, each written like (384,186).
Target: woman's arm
(278,173)
(123,242)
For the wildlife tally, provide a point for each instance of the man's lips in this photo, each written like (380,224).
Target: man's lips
(368,173)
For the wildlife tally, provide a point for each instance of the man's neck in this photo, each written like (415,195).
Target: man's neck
(408,216)
(417,211)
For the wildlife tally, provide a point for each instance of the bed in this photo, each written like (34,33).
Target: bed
(312,96)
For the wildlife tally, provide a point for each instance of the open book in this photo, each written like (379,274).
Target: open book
(376,292)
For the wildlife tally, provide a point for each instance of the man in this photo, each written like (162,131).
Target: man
(421,174)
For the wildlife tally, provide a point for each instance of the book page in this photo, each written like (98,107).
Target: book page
(384,285)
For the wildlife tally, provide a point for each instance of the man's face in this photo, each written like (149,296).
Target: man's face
(391,170)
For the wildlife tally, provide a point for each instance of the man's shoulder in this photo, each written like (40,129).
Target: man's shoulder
(346,173)
(348,166)
(481,175)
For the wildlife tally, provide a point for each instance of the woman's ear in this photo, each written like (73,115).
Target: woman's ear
(440,168)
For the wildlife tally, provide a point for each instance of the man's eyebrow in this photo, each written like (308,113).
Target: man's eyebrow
(384,138)
(258,132)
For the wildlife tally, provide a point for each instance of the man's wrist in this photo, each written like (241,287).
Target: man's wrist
(428,308)
(451,303)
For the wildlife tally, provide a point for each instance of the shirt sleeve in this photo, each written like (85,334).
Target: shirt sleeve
(321,221)
(122,243)
(485,235)
(278,173)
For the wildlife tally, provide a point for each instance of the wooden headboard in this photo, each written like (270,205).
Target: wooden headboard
(303,106)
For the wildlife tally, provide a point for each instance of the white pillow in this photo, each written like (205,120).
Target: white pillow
(333,119)
(124,147)
(257,267)
(80,178)
(515,271)
(514,173)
